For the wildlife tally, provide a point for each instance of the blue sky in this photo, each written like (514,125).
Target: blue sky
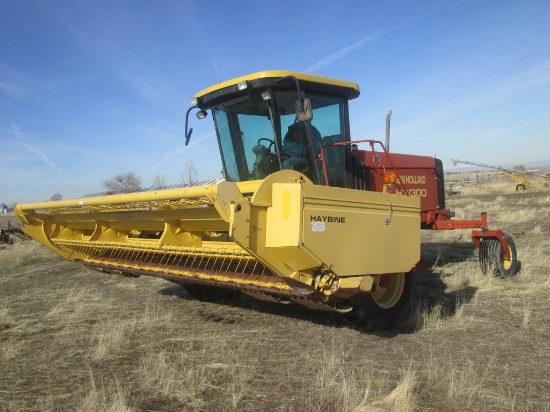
(92,89)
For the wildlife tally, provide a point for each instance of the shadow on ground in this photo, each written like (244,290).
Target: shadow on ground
(442,253)
(429,292)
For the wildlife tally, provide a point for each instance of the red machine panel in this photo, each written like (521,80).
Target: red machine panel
(420,176)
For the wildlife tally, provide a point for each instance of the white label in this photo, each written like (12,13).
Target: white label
(317,226)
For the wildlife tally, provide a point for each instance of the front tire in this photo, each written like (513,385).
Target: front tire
(520,188)
(388,306)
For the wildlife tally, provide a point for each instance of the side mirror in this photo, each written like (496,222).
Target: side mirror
(303,110)
(201,114)
(303,106)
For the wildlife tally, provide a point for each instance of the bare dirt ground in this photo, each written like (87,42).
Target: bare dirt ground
(75,339)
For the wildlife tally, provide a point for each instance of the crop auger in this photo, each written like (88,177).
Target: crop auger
(302,216)
(520,176)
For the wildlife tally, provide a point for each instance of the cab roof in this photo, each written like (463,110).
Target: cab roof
(273,79)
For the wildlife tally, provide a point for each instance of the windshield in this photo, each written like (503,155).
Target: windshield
(258,137)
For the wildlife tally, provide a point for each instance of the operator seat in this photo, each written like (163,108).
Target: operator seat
(265,163)
(295,148)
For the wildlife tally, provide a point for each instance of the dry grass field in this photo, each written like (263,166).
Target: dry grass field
(75,339)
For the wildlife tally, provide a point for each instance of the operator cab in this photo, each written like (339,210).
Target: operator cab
(276,120)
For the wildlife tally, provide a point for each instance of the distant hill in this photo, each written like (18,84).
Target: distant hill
(543,164)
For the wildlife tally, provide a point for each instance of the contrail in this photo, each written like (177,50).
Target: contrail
(182,149)
(19,134)
(347,50)
(43,156)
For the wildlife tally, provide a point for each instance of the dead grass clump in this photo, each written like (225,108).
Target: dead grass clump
(467,207)
(100,399)
(404,396)
(449,386)
(112,336)
(526,316)
(535,261)
(12,327)
(505,216)
(10,348)
(73,305)
(174,375)
(193,380)
(502,186)
(341,386)
(153,315)
(439,316)
(542,201)
(6,320)
(426,317)
(22,253)
(471,275)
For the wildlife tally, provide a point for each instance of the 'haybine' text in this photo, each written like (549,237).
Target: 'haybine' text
(329,219)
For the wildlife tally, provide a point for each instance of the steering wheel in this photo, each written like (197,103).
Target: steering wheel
(271,142)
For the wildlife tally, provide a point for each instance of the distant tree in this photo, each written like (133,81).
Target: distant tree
(56,196)
(159,181)
(124,183)
(190,176)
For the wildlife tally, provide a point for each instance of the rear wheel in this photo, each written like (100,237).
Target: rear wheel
(520,188)
(388,306)
(492,261)
(485,255)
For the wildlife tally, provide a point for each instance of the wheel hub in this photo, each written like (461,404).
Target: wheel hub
(389,289)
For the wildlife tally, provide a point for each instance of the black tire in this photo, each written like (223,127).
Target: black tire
(491,259)
(485,255)
(379,313)
(507,267)
(520,188)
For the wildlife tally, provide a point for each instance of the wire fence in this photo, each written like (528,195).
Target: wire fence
(473,178)
(454,179)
